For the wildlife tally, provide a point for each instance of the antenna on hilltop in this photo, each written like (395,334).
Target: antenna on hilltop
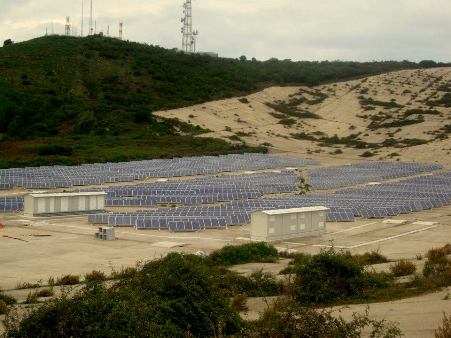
(67,26)
(82,16)
(91,28)
(189,35)
(121,26)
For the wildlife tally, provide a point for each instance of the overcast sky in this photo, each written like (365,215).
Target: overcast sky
(361,30)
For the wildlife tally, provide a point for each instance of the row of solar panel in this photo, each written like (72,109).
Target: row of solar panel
(61,176)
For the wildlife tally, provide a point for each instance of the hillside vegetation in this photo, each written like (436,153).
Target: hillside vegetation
(94,97)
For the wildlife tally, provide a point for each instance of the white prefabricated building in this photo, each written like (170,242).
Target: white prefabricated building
(63,203)
(274,225)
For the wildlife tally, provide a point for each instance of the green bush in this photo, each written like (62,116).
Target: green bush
(50,150)
(177,296)
(328,277)
(402,268)
(241,254)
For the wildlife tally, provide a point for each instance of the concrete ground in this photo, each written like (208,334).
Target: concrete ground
(32,250)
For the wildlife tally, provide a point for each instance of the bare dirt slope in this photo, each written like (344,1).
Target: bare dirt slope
(403,115)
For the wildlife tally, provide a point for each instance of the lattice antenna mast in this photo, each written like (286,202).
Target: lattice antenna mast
(189,35)
(67,26)
(91,28)
(82,16)
(121,30)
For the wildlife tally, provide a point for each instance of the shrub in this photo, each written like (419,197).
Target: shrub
(241,254)
(438,264)
(287,121)
(68,280)
(124,273)
(9,300)
(32,298)
(239,302)
(402,268)
(95,277)
(244,100)
(177,296)
(370,258)
(26,285)
(51,149)
(288,319)
(368,154)
(327,277)
(45,293)
(3,307)
(444,331)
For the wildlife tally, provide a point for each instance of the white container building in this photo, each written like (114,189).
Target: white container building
(63,203)
(275,225)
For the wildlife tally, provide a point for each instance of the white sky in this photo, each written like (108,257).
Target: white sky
(360,30)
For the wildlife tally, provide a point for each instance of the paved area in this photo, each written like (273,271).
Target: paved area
(34,250)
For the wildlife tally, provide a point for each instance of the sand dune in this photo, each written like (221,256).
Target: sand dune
(356,107)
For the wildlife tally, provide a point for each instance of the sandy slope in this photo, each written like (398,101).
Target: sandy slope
(341,114)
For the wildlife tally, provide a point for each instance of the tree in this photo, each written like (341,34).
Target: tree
(8,42)
(243,58)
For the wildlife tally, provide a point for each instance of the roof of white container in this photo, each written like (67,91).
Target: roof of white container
(294,210)
(67,194)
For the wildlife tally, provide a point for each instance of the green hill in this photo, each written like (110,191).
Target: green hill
(73,100)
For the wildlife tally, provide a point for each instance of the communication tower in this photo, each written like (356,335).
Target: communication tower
(121,25)
(82,16)
(189,35)
(67,26)
(91,28)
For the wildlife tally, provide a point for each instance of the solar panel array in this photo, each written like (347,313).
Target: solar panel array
(375,201)
(8,204)
(343,176)
(201,191)
(93,174)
